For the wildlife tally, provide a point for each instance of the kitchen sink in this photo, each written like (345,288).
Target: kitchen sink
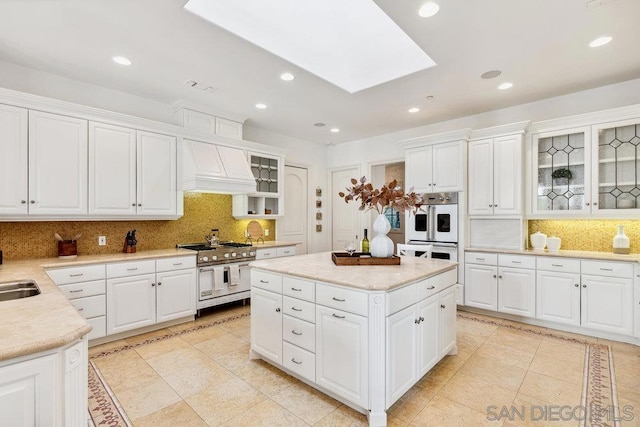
(18,289)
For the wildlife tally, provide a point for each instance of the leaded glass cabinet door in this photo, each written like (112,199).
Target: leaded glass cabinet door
(616,180)
(561,169)
(265,170)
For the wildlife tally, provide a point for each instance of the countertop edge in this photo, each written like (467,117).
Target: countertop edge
(606,256)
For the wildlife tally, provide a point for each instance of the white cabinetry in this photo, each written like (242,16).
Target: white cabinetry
(264,253)
(210,124)
(558,290)
(13,161)
(495,176)
(267,201)
(176,290)
(57,165)
(266,315)
(157,175)
(435,168)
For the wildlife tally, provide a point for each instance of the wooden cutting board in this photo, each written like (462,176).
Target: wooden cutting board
(254,229)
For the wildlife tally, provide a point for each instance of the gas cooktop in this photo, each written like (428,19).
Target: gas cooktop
(222,253)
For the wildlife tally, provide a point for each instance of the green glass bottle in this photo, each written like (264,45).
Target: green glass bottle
(365,242)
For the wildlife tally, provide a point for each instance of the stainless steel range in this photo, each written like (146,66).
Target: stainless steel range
(224,272)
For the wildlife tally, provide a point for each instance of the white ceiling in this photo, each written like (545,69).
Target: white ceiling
(540,46)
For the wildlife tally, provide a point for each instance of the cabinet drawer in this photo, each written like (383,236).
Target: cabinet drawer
(269,281)
(563,265)
(297,288)
(90,306)
(605,268)
(401,298)
(432,285)
(342,299)
(175,263)
(481,258)
(133,268)
(84,289)
(518,261)
(286,251)
(99,325)
(266,253)
(299,332)
(298,308)
(300,361)
(86,273)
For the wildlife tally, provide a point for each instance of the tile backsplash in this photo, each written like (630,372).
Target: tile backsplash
(588,235)
(202,212)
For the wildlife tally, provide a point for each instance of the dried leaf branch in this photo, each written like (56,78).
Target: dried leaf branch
(388,195)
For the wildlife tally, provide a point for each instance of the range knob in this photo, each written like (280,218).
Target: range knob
(226,255)
(252,253)
(244,254)
(233,254)
(204,259)
(214,257)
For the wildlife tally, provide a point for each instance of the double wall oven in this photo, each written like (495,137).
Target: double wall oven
(436,223)
(223,272)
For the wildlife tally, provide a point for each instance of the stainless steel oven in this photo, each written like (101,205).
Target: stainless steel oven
(436,221)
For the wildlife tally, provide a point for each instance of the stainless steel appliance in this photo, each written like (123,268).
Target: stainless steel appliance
(436,221)
(223,272)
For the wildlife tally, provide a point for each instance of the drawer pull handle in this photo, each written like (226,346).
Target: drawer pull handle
(76,291)
(557,265)
(338,299)
(431,287)
(479,259)
(296,309)
(80,309)
(293,359)
(132,269)
(606,269)
(417,321)
(339,317)
(296,289)
(516,262)
(264,281)
(76,275)
(294,332)
(177,263)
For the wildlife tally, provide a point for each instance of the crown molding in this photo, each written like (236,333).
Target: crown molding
(517,128)
(587,119)
(457,135)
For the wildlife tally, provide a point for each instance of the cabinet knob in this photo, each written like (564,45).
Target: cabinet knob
(159,283)
(494,276)
(495,206)
(584,286)
(277,310)
(416,321)
(577,285)
(153,284)
(139,204)
(490,206)
(434,184)
(429,184)
(443,306)
(421,319)
(499,277)
(32,201)
(587,204)
(595,203)
(133,204)
(23,201)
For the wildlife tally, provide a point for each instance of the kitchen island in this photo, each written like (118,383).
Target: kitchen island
(362,334)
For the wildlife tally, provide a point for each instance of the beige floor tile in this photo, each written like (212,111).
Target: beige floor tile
(552,390)
(236,325)
(136,339)
(220,345)
(405,409)
(505,354)
(476,393)
(178,414)
(204,334)
(495,372)
(469,343)
(97,349)
(343,416)
(443,412)
(237,360)
(161,347)
(438,376)
(626,379)
(306,403)
(174,361)
(560,349)
(515,339)
(125,369)
(621,347)
(525,327)
(551,366)
(266,378)
(198,377)
(146,399)
(570,335)
(528,411)
(471,327)
(267,413)
(220,404)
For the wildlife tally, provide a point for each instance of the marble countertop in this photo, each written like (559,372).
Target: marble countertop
(607,256)
(46,321)
(320,267)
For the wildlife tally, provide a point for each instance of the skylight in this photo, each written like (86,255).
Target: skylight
(352,44)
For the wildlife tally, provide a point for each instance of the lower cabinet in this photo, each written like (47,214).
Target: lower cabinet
(517,291)
(558,297)
(607,304)
(131,302)
(481,288)
(266,323)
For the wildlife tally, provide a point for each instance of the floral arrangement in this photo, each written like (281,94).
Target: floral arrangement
(388,195)
(562,173)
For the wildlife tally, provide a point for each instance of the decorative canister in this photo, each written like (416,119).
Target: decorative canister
(538,241)
(621,242)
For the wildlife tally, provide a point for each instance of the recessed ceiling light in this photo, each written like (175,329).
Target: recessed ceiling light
(414,109)
(121,60)
(287,77)
(261,106)
(600,41)
(428,9)
(490,74)
(319,125)
(506,85)
(335,130)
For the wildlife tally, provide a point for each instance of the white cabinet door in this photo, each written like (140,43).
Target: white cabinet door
(480,179)
(342,357)
(131,303)
(157,179)
(29,394)
(447,321)
(607,304)
(418,174)
(266,323)
(430,333)
(481,288)
(448,167)
(13,161)
(57,164)
(507,175)
(558,297)
(517,291)
(112,170)
(175,294)
(402,352)
(228,128)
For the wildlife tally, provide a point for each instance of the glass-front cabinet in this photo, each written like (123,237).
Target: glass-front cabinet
(587,170)
(267,201)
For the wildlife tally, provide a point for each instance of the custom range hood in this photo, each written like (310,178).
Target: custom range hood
(211,168)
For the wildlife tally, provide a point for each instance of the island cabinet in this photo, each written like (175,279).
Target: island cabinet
(365,347)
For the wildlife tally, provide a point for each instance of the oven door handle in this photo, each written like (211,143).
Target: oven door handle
(444,245)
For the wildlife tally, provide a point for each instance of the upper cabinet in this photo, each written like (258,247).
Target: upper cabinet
(267,200)
(131,172)
(208,123)
(57,165)
(13,161)
(586,170)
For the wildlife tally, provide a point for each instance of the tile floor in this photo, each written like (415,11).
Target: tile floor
(205,378)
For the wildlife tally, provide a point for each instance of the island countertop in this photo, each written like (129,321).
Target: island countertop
(320,267)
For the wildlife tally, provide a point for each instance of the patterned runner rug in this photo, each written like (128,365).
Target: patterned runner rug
(599,396)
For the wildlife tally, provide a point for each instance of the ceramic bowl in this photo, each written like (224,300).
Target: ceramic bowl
(553,244)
